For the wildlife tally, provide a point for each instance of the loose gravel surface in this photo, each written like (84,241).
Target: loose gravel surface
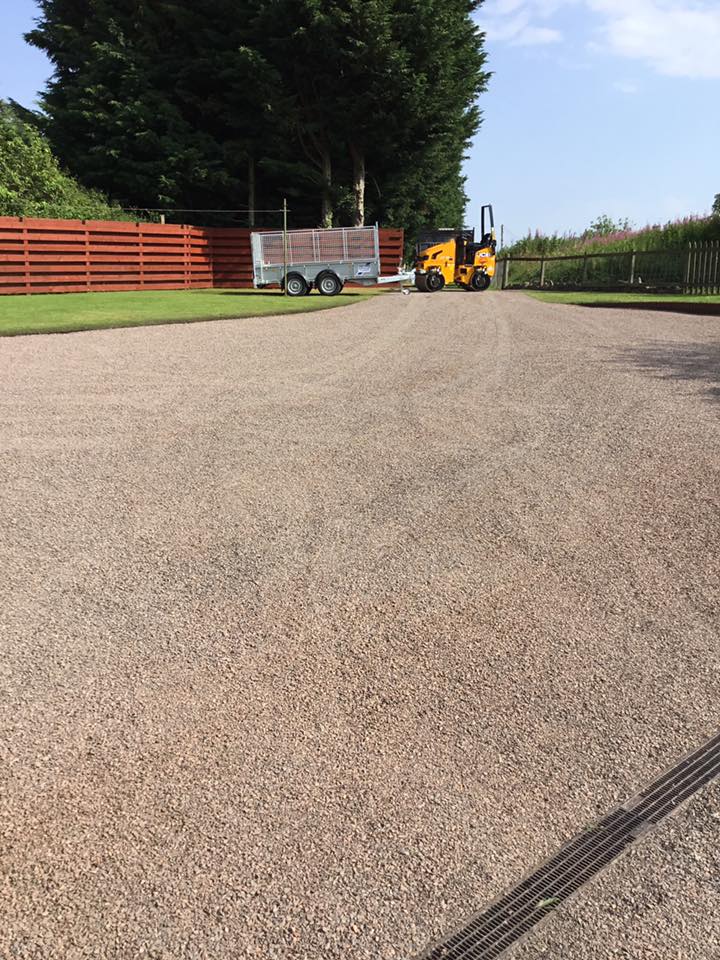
(319,631)
(660,902)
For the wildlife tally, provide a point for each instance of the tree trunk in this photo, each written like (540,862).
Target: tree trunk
(358,162)
(251,191)
(327,208)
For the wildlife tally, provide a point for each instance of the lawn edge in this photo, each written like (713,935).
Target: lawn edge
(697,308)
(164,322)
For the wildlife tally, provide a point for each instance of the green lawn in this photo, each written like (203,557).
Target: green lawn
(67,312)
(627,299)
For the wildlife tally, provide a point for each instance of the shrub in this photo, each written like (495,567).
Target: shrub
(32,183)
(605,236)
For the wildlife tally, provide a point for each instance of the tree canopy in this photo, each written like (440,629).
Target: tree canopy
(32,183)
(357,111)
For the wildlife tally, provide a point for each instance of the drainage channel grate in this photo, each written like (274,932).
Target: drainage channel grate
(510,917)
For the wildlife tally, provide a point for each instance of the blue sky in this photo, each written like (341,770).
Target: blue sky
(23,69)
(595,106)
(598,106)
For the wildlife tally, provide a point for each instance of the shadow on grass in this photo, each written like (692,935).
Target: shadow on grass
(667,306)
(692,362)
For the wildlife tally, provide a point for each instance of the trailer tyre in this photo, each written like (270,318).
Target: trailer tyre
(328,284)
(479,280)
(296,285)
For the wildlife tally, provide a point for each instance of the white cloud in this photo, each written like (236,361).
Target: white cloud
(625,86)
(533,36)
(516,22)
(678,38)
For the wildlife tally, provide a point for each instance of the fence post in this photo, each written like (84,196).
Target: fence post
(190,255)
(705,278)
(285,245)
(542,273)
(585,268)
(26,256)
(632,268)
(86,253)
(506,274)
(688,255)
(141,255)
(699,268)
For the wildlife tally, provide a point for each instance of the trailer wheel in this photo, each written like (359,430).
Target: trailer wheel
(479,280)
(296,285)
(328,284)
(434,281)
(421,282)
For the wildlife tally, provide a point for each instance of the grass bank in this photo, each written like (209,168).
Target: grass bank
(669,236)
(70,312)
(638,301)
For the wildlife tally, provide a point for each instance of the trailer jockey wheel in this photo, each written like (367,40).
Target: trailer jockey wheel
(328,284)
(296,285)
(434,280)
(479,280)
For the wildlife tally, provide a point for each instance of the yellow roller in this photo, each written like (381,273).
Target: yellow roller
(451,256)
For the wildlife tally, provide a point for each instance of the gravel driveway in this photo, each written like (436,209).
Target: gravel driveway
(318,631)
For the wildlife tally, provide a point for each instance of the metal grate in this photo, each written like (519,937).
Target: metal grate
(514,914)
(318,246)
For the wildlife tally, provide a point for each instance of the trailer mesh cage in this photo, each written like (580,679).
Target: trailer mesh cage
(318,246)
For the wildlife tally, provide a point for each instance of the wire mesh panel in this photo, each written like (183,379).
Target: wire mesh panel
(301,247)
(360,243)
(319,246)
(693,269)
(564,273)
(523,273)
(271,248)
(331,245)
(660,269)
(612,272)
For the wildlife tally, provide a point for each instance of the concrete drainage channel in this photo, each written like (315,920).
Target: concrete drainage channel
(513,915)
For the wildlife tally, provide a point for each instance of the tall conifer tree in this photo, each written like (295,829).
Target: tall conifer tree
(358,110)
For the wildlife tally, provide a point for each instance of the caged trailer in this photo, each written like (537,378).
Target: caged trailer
(298,260)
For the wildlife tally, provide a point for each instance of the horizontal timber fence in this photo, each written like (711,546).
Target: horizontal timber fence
(76,256)
(693,269)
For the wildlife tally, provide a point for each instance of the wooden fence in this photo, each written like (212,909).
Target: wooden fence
(702,270)
(75,256)
(694,269)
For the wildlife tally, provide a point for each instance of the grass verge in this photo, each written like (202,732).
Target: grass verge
(637,301)
(70,312)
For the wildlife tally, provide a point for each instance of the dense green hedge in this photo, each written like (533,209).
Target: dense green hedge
(32,183)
